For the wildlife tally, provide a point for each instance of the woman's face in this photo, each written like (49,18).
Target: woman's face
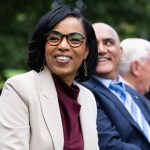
(64,60)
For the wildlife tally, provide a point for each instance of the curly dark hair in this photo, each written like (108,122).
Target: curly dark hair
(36,49)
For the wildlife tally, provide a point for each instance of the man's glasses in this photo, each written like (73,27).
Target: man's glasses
(74,39)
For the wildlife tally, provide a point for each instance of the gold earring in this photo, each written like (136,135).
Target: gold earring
(85,68)
(42,68)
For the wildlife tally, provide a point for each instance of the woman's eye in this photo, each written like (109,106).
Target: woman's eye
(75,40)
(54,39)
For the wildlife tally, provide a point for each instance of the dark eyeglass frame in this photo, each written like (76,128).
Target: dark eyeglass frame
(62,36)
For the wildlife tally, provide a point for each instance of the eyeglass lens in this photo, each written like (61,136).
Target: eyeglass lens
(74,39)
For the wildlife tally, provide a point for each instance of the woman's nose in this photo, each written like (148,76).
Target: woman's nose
(64,45)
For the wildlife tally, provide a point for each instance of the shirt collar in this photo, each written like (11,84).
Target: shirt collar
(106,82)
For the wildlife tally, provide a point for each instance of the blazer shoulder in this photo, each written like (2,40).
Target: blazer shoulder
(84,89)
(89,83)
(22,83)
(24,78)
(85,92)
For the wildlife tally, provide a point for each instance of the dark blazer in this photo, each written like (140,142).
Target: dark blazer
(117,130)
(147,100)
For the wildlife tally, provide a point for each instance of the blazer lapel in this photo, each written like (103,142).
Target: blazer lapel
(139,99)
(85,119)
(113,98)
(50,108)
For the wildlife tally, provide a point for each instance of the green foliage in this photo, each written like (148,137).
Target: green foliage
(18,18)
(9,73)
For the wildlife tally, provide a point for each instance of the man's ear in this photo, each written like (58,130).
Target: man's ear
(135,68)
(121,52)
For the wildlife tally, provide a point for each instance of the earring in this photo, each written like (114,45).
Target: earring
(85,68)
(42,68)
(77,74)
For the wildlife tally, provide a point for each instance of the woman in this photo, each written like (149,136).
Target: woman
(45,109)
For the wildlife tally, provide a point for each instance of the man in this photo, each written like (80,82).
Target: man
(134,66)
(117,128)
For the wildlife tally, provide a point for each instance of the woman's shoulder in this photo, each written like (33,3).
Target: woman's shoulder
(24,77)
(23,81)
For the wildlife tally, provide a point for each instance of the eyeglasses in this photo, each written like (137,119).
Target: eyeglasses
(74,39)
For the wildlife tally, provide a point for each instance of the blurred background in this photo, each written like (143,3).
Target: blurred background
(131,18)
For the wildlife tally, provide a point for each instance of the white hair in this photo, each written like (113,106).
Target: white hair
(134,49)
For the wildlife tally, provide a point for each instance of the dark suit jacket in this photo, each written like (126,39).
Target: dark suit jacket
(117,130)
(147,100)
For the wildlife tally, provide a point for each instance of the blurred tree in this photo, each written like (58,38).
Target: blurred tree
(17,21)
(18,18)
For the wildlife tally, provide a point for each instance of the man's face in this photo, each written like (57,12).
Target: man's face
(143,78)
(109,51)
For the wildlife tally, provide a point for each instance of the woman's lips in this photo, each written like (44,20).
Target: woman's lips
(64,59)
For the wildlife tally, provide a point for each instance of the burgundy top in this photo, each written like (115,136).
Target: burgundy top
(69,109)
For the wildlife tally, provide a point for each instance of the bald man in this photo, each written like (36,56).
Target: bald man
(118,129)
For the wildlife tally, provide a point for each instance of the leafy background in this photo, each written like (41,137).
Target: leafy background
(131,18)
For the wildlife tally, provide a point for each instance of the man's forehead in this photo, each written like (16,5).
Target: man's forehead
(106,36)
(105,31)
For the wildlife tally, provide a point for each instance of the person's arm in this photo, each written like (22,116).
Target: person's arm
(14,120)
(109,138)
